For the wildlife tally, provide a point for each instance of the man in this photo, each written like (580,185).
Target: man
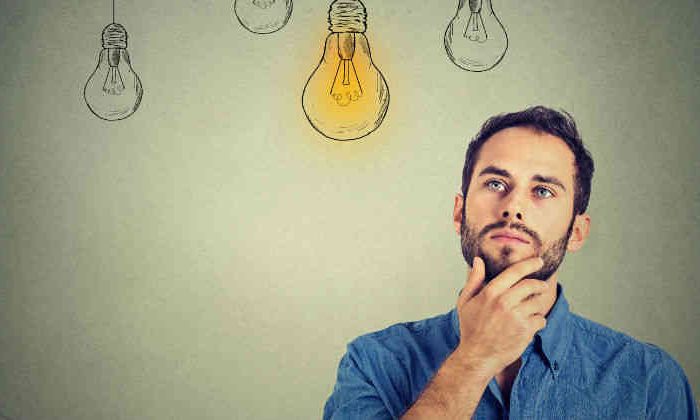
(511,348)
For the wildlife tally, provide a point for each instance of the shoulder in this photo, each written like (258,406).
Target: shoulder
(613,375)
(404,339)
(601,343)
(607,350)
(384,371)
(403,330)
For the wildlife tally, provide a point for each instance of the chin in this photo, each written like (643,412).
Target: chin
(519,256)
(511,254)
(504,257)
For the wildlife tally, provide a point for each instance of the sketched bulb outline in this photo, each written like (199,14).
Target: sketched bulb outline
(475,39)
(346,96)
(113,91)
(262,16)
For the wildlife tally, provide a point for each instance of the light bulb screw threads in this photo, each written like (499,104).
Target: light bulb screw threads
(347,16)
(114,36)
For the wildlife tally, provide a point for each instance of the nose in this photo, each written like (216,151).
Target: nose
(518,215)
(512,207)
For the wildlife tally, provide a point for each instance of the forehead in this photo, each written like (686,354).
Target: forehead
(524,152)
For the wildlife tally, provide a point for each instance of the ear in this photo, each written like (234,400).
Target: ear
(457,213)
(579,232)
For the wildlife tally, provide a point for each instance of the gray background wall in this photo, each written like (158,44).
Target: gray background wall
(210,256)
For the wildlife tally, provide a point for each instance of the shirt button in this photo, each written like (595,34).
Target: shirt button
(555,366)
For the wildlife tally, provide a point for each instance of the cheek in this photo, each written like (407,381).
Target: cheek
(551,225)
(480,205)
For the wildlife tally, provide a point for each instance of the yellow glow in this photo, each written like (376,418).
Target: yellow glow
(346,99)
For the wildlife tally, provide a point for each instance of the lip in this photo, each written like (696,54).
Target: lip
(509,237)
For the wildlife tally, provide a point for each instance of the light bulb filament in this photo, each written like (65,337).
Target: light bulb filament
(346,72)
(475,30)
(114,84)
(346,85)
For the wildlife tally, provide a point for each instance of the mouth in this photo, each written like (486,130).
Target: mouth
(509,238)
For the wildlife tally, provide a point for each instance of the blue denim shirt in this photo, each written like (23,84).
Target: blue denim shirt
(573,369)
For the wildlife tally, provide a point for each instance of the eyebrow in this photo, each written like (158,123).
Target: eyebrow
(537,177)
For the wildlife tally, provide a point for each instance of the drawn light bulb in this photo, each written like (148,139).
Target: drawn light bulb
(262,16)
(113,91)
(475,39)
(346,97)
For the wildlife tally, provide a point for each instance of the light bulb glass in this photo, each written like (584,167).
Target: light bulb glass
(346,97)
(262,16)
(113,91)
(475,39)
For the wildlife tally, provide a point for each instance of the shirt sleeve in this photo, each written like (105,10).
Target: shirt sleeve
(354,396)
(670,395)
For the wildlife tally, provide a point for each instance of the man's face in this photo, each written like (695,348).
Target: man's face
(520,202)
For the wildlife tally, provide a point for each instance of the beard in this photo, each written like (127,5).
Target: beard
(552,255)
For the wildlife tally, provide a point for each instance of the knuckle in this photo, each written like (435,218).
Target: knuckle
(539,284)
(530,267)
(531,284)
(500,304)
(531,264)
(524,269)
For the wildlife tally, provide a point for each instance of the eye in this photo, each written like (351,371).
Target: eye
(542,192)
(495,185)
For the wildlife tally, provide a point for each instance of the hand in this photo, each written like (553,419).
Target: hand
(498,321)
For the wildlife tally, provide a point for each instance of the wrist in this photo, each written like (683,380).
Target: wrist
(476,367)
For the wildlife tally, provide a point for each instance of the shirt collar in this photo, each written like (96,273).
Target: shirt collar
(554,338)
(556,335)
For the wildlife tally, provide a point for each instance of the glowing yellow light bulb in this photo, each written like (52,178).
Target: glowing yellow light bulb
(475,39)
(346,96)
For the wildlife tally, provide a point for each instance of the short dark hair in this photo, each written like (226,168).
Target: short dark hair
(542,120)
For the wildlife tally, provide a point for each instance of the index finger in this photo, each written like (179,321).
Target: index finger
(475,280)
(513,274)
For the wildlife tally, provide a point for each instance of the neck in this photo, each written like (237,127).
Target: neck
(551,293)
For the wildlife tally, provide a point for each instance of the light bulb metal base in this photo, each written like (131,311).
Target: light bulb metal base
(347,16)
(114,36)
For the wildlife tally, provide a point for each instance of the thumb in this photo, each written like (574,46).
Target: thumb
(475,280)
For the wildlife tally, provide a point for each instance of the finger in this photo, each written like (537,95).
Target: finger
(475,280)
(537,305)
(537,323)
(522,290)
(513,274)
